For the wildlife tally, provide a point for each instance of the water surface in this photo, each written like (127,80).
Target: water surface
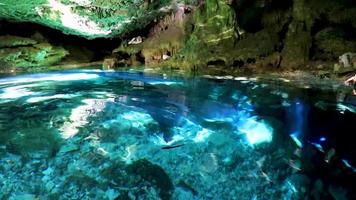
(92,134)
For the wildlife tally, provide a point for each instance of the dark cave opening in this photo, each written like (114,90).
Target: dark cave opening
(250,13)
(216,63)
(238,63)
(334,34)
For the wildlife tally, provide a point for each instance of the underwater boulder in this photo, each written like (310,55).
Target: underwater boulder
(153,174)
(34,143)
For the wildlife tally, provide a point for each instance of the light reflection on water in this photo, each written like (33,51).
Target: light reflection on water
(127,116)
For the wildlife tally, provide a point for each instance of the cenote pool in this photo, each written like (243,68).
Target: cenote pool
(93,134)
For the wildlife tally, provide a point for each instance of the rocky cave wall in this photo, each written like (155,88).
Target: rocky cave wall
(294,34)
(193,35)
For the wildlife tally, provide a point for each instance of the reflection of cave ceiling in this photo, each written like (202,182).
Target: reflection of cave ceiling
(88,18)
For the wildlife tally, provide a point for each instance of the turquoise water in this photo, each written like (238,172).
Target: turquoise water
(92,134)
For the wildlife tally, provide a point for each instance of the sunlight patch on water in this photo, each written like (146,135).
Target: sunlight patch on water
(256,131)
(159,140)
(79,116)
(188,131)
(202,135)
(48,77)
(165,83)
(137,119)
(241,78)
(45,98)
(97,70)
(17,91)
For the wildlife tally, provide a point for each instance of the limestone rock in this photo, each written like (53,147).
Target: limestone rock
(298,40)
(110,63)
(348,59)
(214,36)
(136,40)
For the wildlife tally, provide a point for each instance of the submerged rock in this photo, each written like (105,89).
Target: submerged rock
(154,174)
(23,197)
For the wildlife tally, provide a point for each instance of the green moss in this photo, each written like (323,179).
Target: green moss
(275,20)
(129,49)
(214,37)
(336,11)
(14,41)
(257,45)
(343,16)
(298,40)
(27,57)
(331,43)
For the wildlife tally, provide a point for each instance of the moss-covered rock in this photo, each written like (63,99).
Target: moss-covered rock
(24,53)
(14,41)
(213,39)
(193,34)
(165,39)
(298,40)
(153,174)
(330,43)
(254,46)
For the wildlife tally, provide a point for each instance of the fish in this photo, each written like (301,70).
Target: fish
(172,146)
(318,146)
(348,165)
(329,155)
(295,164)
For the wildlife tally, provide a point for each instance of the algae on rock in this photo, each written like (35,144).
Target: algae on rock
(25,53)
(330,43)
(213,38)
(164,39)
(298,40)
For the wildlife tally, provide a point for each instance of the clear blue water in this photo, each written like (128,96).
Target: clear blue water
(92,134)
